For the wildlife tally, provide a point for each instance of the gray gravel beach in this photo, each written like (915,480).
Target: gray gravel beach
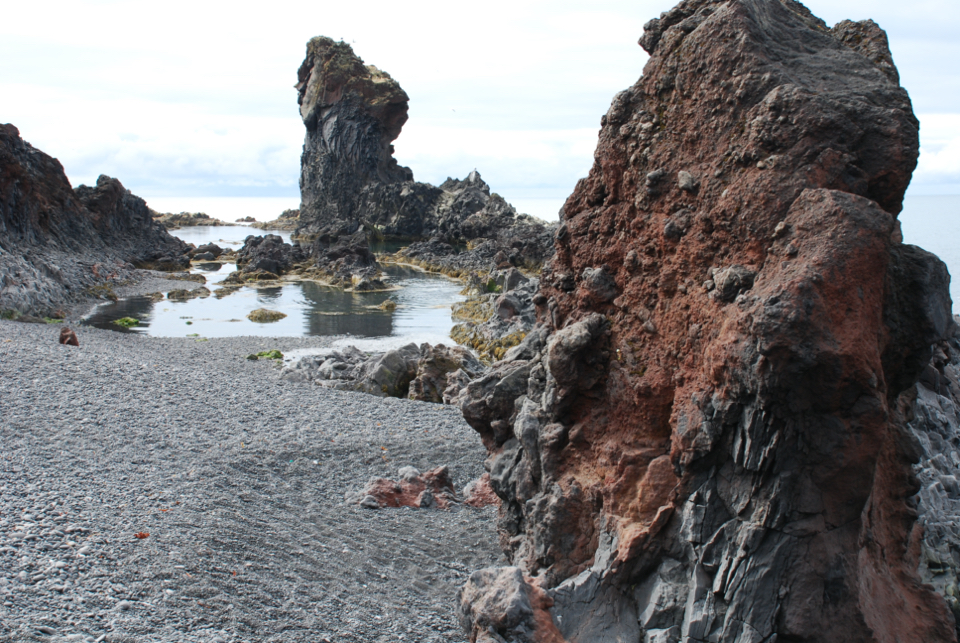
(239,480)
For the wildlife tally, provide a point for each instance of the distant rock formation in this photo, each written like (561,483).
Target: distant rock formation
(288,221)
(57,243)
(350,181)
(711,434)
(186,219)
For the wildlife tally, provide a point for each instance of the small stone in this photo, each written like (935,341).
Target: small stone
(369,502)
(123,606)
(687,182)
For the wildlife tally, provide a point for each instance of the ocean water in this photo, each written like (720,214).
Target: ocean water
(933,223)
(226,208)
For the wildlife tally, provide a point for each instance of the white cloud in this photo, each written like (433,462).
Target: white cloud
(938,171)
(196,97)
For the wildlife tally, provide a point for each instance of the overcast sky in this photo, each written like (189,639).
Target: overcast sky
(196,98)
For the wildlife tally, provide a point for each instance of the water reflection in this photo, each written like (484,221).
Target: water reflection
(423,312)
(227,237)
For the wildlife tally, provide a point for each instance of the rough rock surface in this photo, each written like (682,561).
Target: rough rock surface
(708,436)
(350,181)
(498,315)
(267,254)
(430,490)
(935,422)
(57,243)
(426,373)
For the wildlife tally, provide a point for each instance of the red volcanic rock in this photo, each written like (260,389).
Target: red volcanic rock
(68,337)
(433,489)
(479,493)
(706,437)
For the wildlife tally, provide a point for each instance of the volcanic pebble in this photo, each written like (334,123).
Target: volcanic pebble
(239,479)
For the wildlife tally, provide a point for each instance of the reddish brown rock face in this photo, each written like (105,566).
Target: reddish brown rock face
(703,440)
(433,489)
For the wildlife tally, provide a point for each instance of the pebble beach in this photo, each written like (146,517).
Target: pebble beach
(169,489)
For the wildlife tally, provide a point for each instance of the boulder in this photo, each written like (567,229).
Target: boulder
(426,373)
(430,490)
(267,254)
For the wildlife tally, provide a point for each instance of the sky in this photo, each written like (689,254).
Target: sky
(195,99)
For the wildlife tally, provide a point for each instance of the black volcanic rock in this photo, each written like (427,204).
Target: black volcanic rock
(349,179)
(56,243)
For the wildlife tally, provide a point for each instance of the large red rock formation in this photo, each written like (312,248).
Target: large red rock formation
(706,438)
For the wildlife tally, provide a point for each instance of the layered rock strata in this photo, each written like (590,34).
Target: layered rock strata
(350,180)
(59,243)
(711,434)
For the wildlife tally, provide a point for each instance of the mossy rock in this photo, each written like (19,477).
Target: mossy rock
(103,291)
(274,354)
(190,276)
(126,322)
(183,295)
(264,316)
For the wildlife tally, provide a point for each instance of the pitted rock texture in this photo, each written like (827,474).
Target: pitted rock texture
(350,181)
(429,490)
(707,438)
(57,243)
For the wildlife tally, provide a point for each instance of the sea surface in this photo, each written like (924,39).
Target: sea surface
(933,223)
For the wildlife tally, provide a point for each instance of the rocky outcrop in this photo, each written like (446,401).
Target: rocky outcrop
(350,181)
(429,490)
(288,220)
(498,314)
(426,373)
(710,434)
(57,244)
(179,220)
(932,407)
(266,258)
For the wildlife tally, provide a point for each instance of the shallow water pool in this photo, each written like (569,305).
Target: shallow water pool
(422,315)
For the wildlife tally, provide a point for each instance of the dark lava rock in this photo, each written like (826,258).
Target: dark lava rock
(58,244)
(349,179)
(268,253)
(426,373)
(733,462)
